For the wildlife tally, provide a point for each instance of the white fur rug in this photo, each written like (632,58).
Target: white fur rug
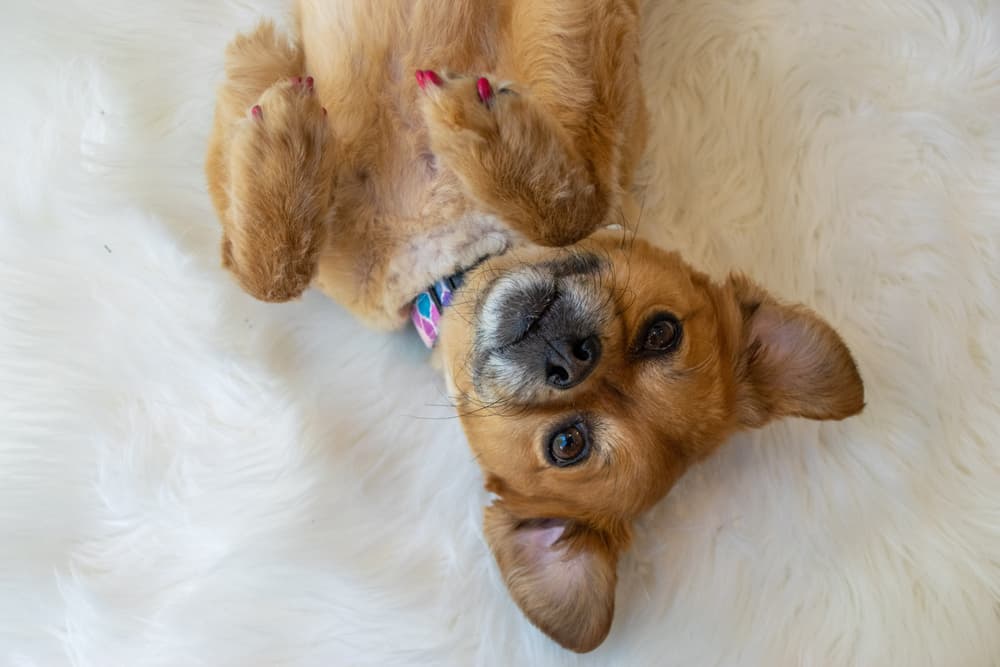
(189,477)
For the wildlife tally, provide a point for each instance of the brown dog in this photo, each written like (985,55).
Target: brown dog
(588,379)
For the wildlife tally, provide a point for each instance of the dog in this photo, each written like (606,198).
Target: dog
(468,165)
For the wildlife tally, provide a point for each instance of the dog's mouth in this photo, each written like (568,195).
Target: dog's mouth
(514,304)
(529,322)
(513,307)
(538,327)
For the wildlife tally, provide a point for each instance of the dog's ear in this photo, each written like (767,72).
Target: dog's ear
(561,574)
(790,362)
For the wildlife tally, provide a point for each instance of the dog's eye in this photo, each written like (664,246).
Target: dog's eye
(569,446)
(661,335)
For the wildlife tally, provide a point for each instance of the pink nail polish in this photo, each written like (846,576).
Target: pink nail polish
(484,89)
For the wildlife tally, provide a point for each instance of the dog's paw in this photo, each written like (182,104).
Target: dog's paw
(281,162)
(459,86)
(287,122)
(453,103)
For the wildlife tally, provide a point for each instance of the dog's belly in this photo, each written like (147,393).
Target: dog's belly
(407,223)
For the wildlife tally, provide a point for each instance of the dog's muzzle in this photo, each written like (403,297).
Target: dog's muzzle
(539,329)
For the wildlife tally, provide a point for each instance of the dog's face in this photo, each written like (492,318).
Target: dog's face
(589,379)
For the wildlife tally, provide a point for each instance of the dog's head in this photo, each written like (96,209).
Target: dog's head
(590,379)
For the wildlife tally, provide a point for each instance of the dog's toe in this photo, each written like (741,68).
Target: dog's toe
(485,90)
(428,77)
(303,84)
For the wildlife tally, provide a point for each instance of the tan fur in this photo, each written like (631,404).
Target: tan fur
(371,189)
(357,201)
(745,359)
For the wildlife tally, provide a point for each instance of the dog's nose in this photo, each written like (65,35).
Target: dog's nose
(569,361)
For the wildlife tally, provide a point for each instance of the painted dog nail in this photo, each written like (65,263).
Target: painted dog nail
(484,89)
(432,77)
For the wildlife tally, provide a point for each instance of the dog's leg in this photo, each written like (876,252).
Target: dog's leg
(514,159)
(270,167)
(554,153)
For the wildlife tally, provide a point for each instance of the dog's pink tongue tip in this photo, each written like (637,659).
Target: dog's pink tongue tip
(421,78)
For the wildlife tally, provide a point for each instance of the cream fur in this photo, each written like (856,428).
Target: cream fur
(191,477)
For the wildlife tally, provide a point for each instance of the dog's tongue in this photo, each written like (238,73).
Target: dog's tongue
(426,312)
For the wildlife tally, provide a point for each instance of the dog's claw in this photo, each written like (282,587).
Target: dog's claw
(425,76)
(303,83)
(484,89)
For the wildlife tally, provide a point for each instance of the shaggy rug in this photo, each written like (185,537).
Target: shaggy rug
(190,477)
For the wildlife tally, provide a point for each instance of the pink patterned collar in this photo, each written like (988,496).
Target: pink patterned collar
(428,306)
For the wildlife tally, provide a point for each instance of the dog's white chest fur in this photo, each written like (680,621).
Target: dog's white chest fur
(448,249)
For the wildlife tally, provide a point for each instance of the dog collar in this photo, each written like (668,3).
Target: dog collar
(428,306)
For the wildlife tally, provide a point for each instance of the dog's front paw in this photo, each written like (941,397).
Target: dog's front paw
(288,118)
(463,104)
(512,155)
(281,177)
(282,150)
